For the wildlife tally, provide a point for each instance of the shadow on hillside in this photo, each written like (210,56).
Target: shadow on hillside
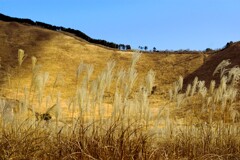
(205,72)
(14,36)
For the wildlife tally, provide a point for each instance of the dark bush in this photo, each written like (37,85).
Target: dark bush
(228,44)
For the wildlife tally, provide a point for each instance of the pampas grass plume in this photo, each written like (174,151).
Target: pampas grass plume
(21,56)
(34,61)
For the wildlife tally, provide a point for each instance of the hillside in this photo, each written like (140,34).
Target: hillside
(74,32)
(205,72)
(60,53)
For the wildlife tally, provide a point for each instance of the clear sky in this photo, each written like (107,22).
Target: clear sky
(164,24)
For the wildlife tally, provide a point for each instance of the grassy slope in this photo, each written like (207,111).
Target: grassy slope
(60,53)
(206,70)
(57,52)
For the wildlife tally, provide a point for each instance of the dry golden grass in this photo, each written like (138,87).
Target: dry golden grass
(123,125)
(59,53)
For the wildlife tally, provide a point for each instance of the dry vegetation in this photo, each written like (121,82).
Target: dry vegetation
(105,104)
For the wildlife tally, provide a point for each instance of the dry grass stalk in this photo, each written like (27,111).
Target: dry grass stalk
(131,131)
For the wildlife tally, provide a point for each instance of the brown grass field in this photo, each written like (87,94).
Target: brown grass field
(110,114)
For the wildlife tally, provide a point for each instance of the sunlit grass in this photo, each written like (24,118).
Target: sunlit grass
(199,123)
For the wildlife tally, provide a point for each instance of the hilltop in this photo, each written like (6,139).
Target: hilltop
(60,28)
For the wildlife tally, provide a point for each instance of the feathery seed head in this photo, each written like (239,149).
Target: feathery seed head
(34,61)
(150,79)
(234,75)
(221,66)
(212,86)
(180,82)
(201,85)
(135,58)
(188,90)
(194,86)
(80,69)
(21,56)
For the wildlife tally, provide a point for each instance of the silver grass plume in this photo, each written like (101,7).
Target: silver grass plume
(109,73)
(90,69)
(212,86)
(221,67)
(234,75)
(176,89)
(80,69)
(180,82)
(34,61)
(135,57)
(180,98)
(201,85)
(59,80)
(223,84)
(194,86)
(21,56)
(189,86)
(150,80)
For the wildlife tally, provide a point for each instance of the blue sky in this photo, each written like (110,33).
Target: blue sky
(164,24)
